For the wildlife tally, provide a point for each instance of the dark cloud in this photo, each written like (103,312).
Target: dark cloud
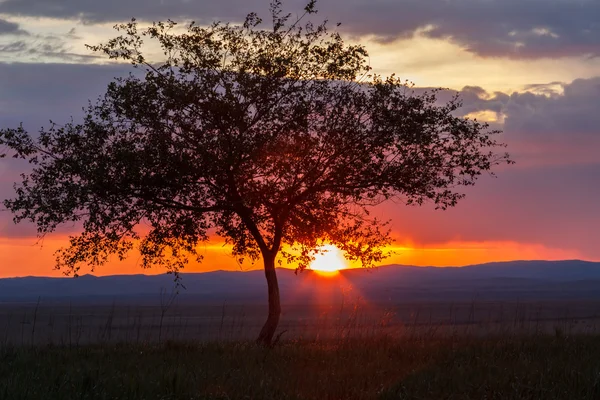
(549,197)
(551,88)
(11,28)
(545,115)
(490,28)
(561,111)
(14,47)
(90,11)
(520,28)
(35,93)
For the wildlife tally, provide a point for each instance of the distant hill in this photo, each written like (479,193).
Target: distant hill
(572,279)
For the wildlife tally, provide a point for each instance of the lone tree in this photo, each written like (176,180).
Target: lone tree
(267,137)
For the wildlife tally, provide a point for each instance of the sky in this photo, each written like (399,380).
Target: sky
(529,67)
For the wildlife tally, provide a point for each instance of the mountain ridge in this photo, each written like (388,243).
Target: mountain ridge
(545,279)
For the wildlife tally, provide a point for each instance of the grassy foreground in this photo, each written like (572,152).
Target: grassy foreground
(538,367)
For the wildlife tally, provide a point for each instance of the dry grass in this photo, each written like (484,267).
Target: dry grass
(350,353)
(533,367)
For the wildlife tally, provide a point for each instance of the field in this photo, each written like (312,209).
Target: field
(535,367)
(352,350)
(155,320)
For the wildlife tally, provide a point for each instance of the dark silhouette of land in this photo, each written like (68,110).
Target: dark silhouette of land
(511,297)
(525,280)
(521,330)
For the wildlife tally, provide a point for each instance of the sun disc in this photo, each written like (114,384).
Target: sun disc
(330,261)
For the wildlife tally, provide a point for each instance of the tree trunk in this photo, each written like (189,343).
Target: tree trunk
(267,332)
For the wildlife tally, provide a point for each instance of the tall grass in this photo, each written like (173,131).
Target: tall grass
(56,324)
(542,367)
(347,352)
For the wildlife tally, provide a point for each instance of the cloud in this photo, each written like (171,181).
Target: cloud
(17,43)
(34,93)
(11,28)
(527,29)
(43,47)
(551,88)
(520,28)
(560,121)
(552,111)
(14,47)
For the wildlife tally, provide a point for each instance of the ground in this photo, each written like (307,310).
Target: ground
(353,350)
(532,367)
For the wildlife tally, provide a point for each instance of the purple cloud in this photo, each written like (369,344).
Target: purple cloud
(492,28)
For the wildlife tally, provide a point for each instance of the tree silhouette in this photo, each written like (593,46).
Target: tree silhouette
(267,137)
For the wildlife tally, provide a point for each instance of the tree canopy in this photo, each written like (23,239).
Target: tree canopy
(276,139)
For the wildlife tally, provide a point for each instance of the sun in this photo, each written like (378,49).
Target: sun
(330,261)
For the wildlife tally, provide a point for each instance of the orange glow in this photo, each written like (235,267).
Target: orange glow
(461,253)
(22,257)
(330,261)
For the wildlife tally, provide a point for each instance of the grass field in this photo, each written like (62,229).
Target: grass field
(510,367)
(87,323)
(351,351)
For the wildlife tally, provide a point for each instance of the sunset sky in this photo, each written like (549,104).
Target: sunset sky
(529,67)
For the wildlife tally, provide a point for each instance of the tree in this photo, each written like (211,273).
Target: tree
(277,140)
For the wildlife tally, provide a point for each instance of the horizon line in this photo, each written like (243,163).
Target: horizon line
(308,269)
